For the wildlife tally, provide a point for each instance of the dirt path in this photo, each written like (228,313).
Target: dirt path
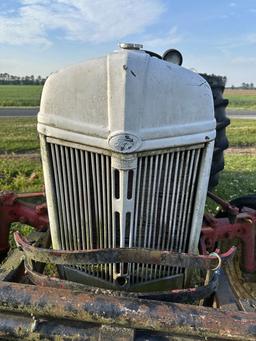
(241,150)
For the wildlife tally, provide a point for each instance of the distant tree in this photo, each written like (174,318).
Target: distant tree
(6,78)
(245,85)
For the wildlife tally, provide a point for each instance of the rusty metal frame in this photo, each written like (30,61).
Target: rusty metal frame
(36,312)
(15,208)
(137,314)
(117,255)
(236,225)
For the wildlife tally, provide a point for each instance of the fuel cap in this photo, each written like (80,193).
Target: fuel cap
(130,46)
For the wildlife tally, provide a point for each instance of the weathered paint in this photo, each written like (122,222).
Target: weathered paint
(127,312)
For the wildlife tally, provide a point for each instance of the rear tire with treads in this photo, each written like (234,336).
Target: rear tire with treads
(217,84)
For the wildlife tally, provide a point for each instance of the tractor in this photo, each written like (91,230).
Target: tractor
(122,248)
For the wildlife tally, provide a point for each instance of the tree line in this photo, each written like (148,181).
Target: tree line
(244,86)
(6,78)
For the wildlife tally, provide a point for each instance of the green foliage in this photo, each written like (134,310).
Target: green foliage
(21,174)
(18,135)
(242,133)
(237,179)
(20,95)
(25,230)
(241,99)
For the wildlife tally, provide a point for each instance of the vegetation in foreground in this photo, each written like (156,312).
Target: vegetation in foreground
(242,133)
(21,174)
(241,99)
(18,135)
(20,95)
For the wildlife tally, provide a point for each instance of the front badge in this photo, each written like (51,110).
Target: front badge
(124,142)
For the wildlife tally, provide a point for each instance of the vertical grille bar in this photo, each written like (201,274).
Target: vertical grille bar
(83,222)
(59,194)
(66,199)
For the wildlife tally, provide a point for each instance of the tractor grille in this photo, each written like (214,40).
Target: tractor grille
(165,188)
(161,189)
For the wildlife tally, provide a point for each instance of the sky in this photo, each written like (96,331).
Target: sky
(214,36)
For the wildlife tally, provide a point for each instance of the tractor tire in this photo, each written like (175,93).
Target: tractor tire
(245,201)
(243,284)
(217,84)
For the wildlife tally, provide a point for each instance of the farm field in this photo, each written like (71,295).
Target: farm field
(18,135)
(242,133)
(20,95)
(241,99)
(29,95)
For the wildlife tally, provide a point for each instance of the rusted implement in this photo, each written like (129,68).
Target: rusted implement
(190,295)
(139,314)
(14,209)
(117,255)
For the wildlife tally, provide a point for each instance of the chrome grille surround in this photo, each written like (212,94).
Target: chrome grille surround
(106,200)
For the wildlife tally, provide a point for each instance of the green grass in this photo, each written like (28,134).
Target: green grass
(21,174)
(237,179)
(239,176)
(18,135)
(242,133)
(240,99)
(20,95)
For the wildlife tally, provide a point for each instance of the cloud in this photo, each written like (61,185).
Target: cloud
(166,41)
(244,60)
(232,4)
(251,38)
(79,20)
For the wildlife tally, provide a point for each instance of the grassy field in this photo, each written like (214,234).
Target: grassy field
(20,95)
(242,133)
(240,99)
(237,179)
(21,174)
(18,135)
(29,95)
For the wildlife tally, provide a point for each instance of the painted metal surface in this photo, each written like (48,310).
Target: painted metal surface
(127,92)
(102,201)
(126,158)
